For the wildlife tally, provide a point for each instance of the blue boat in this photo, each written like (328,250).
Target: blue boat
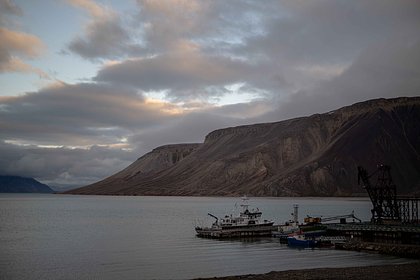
(300,241)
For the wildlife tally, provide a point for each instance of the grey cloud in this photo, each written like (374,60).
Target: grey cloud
(82,114)
(277,38)
(216,28)
(185,74)
(212,23)
(330,31)
(62,167)
(382,70)
(105,35)
(190,128)
(280,47)
(8,8)
(16,45)
(104,38)
(324,35)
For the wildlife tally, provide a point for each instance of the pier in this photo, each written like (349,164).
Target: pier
(394,227)
(368,232)
(397,240)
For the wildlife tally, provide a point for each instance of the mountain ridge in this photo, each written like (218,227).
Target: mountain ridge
(315,155)
(18,184)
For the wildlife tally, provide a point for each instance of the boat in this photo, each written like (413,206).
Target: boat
(289,227)
(247,224)
(299,240)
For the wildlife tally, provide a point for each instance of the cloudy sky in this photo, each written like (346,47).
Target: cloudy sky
(87,87)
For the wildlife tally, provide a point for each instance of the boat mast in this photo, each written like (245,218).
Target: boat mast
(295,214)
(243,205)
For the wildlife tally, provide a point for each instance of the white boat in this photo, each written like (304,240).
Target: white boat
(248,223)
(289,227)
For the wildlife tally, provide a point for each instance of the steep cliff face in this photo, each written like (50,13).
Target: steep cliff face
(315,155)
(159,159)
(148,165)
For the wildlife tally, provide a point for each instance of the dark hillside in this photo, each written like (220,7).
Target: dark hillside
(16,184)
(309,156)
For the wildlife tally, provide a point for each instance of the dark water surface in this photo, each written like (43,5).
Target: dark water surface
(115,237)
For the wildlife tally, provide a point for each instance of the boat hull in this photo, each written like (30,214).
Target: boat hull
(305,243)
(233,232)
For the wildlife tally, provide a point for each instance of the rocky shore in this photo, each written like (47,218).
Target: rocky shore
(409,271)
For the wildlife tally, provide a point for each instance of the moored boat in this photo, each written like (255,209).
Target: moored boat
(247,224)
(299,240)
(289,227)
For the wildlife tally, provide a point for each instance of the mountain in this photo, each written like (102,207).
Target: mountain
(316,155)
(16,184)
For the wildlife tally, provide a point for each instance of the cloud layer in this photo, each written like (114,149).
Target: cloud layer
(16,45)
(104,35)
(165,68)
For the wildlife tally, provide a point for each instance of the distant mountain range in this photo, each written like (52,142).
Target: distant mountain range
(316,155)
(16,184)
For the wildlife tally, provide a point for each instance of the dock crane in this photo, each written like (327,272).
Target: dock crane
(383,195)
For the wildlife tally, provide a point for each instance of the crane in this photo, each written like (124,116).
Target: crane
(383,195)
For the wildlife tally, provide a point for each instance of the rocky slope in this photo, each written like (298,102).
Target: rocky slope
(16,184)
(312,156)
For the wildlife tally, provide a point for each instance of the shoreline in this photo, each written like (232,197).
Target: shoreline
(384,272)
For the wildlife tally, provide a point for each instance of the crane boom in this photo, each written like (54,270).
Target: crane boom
(213,216)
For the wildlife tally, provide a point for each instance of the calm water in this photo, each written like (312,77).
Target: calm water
(110,237)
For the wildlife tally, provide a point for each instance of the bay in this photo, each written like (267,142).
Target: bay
(47,236)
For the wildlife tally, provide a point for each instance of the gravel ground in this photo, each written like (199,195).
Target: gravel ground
(384,272)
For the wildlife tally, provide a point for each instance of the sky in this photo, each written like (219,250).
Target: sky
(87,87)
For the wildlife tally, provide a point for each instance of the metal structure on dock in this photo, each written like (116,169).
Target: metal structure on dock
(387,206)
